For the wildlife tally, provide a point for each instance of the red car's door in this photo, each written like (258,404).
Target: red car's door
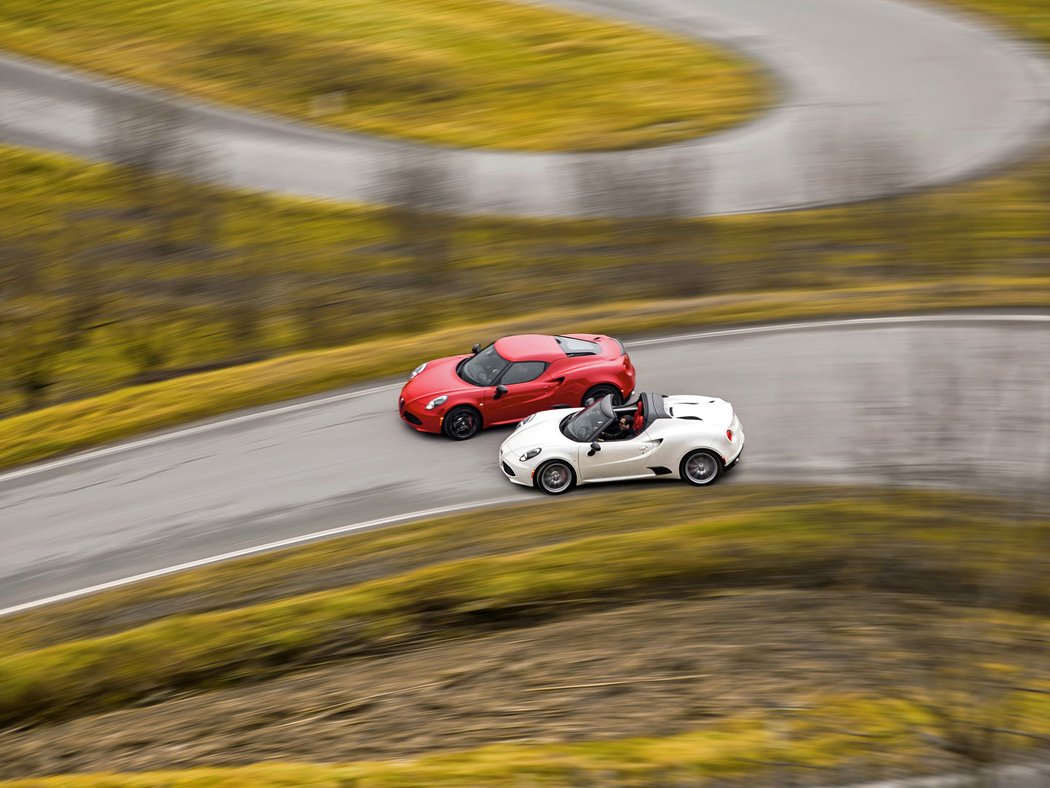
(527,392)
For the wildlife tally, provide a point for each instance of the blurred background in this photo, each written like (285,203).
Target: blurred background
(206,207)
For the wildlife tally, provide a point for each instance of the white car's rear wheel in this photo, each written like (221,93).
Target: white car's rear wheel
(701,467)
(555,477)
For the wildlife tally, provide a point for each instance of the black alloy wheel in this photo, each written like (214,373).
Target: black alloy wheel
(597,392)
(461,423)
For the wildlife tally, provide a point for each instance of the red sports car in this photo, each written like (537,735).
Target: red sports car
(512,378)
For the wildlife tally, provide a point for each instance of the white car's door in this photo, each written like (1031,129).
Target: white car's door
(625,459)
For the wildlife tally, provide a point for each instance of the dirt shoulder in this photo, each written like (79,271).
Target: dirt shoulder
(648,669)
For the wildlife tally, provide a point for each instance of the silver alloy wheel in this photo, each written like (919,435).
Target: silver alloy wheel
(555,477)
(701,468)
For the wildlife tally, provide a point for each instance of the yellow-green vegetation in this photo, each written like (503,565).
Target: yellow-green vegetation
(123,277)
(829,730)
(897,545)
(887,543)
(129,411)
(737,748)
(470,72)
(1024,16)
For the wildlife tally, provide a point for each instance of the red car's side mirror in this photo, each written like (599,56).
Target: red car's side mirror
(500,391)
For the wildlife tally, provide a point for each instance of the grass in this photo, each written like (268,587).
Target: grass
(483,73)
(1028,17)
(736,748)
(120,278)
(912,545)
(130,411)
(829,732)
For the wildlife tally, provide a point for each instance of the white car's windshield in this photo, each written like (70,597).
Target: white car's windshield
(483,369)
(586,423)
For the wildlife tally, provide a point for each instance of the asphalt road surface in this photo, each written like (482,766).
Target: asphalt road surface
(875,96)
(962,401)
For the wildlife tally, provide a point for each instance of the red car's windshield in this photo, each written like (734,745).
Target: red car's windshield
(483,369)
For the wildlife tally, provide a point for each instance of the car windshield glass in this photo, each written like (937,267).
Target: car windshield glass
(484,368)
(586,423)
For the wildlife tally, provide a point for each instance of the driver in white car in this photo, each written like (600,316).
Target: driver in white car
(618,430)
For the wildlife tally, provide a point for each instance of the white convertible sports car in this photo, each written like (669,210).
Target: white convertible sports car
(651,435)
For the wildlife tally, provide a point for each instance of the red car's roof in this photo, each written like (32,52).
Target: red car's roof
(529,347)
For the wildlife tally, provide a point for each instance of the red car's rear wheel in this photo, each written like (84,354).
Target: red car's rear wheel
(597,392)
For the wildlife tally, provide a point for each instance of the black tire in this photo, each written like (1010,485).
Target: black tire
(461,423)
(701,467)
(601,390)
(555,477)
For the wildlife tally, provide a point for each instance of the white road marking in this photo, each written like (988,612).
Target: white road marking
(120,448)
(857,321)
(263,548)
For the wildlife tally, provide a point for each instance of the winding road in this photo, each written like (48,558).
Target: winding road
(958,400)
(875,96)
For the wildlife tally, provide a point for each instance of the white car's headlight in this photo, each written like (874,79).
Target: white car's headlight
(437,401)
(529,455)
(526,420)
(417,370)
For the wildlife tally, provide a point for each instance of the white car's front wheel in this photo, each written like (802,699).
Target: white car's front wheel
(701,467)
(555,477)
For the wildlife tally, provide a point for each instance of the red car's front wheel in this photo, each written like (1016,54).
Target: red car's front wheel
(461,423)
